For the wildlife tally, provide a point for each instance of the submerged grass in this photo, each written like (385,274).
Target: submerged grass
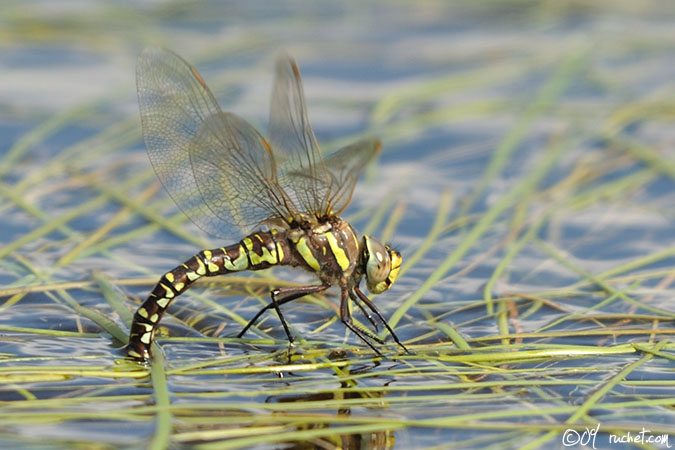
(525,311)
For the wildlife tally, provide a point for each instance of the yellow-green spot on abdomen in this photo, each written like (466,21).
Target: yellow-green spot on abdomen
(192,276)
(163,302)
(201,270)
(211,266)
(236,265)
(266,256)
(167,292)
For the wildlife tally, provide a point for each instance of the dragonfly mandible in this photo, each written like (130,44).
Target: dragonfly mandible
(226,177)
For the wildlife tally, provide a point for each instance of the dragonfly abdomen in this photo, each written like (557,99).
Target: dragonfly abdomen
(255,252)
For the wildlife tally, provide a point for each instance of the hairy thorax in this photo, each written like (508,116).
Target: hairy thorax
(330,249)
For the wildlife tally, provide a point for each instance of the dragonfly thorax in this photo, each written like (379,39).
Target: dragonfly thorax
(330,249)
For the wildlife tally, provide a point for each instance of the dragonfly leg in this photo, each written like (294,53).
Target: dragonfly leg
(346,317)
(274,294)
(372,306)
(281,297)
(369,333)
(363,310)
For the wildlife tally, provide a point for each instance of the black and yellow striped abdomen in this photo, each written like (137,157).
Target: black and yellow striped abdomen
(255,252)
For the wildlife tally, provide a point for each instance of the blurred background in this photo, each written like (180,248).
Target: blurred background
(527,176)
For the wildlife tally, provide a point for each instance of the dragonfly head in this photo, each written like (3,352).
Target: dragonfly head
(382,264)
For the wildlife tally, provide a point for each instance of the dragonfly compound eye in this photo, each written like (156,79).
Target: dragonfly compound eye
(382,265)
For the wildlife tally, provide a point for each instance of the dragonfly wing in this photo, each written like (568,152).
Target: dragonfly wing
(236,174)
(319,186)
(178,114)
(343,168)
(293,139)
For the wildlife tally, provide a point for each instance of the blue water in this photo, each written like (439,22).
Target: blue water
(446,86)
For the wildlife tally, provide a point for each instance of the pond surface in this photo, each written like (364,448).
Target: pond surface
(527,177)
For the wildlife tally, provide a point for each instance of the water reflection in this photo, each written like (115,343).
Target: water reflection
(383,439)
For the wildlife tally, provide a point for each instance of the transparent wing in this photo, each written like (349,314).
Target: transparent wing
(345,167)
(195,160)
(320,187)
(293,139)
(236,174)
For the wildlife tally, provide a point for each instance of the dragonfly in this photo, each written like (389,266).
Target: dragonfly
(228,179)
